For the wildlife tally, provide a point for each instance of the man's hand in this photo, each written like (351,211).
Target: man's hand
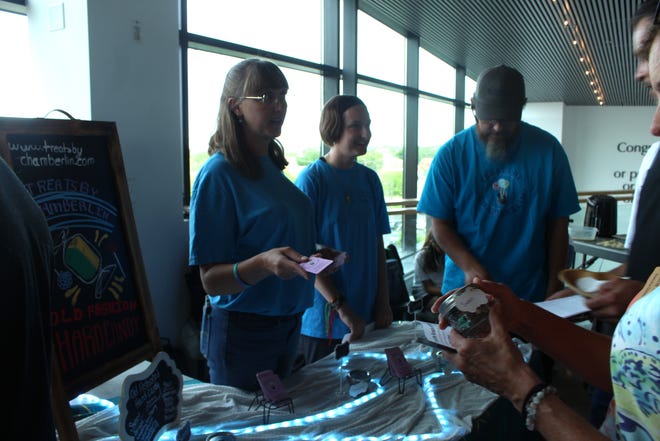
(613,298)
(493,361)
(510,303)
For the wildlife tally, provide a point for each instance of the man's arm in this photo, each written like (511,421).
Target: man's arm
(494,362)
(557,249)
(448,239)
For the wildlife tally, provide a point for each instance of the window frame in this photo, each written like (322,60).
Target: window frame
(338,70)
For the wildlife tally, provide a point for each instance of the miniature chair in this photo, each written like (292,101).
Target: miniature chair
(273,394)
(399,367)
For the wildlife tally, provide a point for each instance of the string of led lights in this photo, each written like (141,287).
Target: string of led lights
(572,27)
(433,384)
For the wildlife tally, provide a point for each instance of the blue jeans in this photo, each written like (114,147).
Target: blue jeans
(241,344)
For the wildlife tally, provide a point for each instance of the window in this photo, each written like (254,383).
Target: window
(373,38)
(470,88)
(19,86)
(206,75)
(385,151)
(265,24)
(436,127)
(217,35)
(436,76)
(300,136)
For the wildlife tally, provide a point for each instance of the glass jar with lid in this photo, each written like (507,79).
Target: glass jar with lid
(466,310)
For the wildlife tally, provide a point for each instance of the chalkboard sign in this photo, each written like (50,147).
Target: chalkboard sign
(101,312)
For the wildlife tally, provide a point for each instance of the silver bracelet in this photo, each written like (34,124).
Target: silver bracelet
(533,404)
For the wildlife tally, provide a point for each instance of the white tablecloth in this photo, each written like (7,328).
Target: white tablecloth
(441,409)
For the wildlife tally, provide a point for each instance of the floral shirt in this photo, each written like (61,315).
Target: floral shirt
(634,413)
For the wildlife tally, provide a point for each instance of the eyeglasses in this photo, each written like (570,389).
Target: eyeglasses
(267,98)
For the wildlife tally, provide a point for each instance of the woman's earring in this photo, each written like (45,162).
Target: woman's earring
(240,119)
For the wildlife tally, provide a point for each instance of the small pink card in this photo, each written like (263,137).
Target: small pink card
(315,264)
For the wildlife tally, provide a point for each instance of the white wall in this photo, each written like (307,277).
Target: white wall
(604,144)
(61,55)
(594,138)
(549,116)
(136,82)
(97,68)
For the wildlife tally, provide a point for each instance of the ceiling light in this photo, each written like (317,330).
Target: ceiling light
(574,36)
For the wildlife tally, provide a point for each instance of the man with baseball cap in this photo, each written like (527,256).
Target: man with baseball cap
(499,195)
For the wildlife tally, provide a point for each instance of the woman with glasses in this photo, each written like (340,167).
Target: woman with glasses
(350,216)
(250,229)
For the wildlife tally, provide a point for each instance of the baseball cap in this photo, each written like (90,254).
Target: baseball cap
(500,94)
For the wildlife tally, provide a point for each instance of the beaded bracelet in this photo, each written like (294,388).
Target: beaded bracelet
(531,404)
(536,388)
(336,303)
(242,282)
(330,313)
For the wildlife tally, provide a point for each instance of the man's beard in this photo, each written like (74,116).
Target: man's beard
(497,150)
(497,145)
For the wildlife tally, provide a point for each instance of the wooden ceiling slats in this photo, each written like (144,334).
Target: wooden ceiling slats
(528,35)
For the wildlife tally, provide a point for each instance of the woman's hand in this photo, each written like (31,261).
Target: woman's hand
(353,321)
(494,361)
(338,259)
(284,263)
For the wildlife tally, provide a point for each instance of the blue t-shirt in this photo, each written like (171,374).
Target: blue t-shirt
(501,209)
(233,218)
(350,216)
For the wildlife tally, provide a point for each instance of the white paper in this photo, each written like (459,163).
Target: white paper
(565,306)
(433,333)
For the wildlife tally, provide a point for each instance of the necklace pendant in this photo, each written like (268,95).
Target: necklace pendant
(347,198)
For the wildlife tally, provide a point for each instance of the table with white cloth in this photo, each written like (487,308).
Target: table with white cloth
(442,408)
